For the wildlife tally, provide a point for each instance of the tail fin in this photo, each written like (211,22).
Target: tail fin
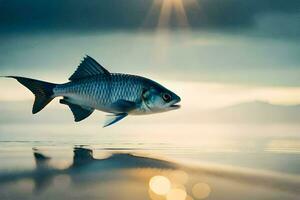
(43,91)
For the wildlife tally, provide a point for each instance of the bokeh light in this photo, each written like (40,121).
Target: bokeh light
(201,190)
(176,194)
(160,185)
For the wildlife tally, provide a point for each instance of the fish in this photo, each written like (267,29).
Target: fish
(92,87)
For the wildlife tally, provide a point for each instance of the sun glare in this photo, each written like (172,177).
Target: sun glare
(167,7)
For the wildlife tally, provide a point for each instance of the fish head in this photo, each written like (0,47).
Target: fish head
(159,99)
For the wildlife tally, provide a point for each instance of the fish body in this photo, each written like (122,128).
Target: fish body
(92,87)
(101,92)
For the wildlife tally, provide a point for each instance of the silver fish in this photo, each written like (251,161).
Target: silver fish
(92,87)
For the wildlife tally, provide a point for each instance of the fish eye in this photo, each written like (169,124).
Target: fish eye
(166,97)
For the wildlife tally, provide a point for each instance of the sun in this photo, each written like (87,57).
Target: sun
(167,7)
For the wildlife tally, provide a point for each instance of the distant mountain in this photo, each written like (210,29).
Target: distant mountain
(256,112)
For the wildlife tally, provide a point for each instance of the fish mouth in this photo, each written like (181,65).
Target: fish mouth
(175,106)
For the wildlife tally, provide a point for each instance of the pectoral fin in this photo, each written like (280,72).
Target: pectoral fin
(114,118)
(124,105)
(79,112)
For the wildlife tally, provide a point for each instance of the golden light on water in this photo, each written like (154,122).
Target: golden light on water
(176,194)
(170,187)
(179,177)
(160,185)
(201,190)
(189,198)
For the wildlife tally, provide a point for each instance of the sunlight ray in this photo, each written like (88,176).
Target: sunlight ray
(165,14)
(165,9)
(180,13)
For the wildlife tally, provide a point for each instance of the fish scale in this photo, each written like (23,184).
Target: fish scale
(102,90)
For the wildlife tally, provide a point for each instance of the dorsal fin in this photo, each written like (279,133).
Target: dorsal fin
(82,156)
(88,67)
(41,160)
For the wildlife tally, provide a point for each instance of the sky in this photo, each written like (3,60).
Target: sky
(224,51)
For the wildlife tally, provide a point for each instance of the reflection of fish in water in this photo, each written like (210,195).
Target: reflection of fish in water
(83,163)
(85,169)
(93,87)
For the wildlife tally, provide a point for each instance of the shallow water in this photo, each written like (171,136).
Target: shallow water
(226,161)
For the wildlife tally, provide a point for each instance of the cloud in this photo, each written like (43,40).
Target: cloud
(94,15)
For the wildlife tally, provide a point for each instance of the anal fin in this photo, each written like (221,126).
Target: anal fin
(79,112)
